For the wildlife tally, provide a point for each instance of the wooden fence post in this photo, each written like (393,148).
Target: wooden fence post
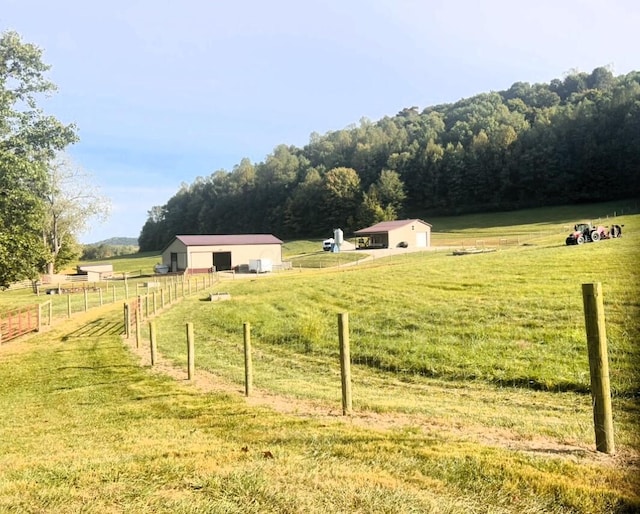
(114,293)
(86,300)
(68,306)
(248,364)
(39,320)
(598,366)
(152,341)
(138,323)
(154,302)
(190,352)
(162,297)
(100,295)
(127,328)
(345,361)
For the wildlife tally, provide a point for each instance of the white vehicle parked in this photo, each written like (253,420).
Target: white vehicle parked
(327,244)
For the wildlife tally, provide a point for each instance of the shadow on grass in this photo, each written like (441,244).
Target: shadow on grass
(97,328)
(561,386)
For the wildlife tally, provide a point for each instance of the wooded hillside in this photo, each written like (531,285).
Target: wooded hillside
(569,141)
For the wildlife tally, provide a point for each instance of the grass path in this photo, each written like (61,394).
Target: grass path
(85,428)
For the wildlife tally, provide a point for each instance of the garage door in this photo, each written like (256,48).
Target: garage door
(222,261)
(421,239)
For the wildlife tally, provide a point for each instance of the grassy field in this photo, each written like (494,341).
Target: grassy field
(470,386)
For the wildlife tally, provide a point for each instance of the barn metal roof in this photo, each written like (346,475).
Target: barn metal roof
(229,239)
(388,226)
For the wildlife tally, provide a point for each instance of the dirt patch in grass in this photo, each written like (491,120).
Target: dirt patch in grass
(208,382)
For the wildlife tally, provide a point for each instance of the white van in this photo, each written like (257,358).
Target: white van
(327,244)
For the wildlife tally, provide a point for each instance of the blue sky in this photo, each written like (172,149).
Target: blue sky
(163,91)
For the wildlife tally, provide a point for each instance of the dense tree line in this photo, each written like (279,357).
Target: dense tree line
(569,141)
(106,251)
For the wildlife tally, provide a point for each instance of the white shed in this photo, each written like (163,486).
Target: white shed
(96,271)
(413,233)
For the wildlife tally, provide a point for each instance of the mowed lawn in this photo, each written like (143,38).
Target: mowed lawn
(470,383)
(85,429)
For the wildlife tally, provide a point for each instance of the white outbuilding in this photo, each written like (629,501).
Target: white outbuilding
(412,233)
(203,253)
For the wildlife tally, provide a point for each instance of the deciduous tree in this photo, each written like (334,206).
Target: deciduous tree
(71,201)
(29,140)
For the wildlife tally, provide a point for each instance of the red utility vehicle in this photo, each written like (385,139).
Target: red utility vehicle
(586,233)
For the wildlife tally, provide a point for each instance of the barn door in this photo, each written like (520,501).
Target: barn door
(222,261)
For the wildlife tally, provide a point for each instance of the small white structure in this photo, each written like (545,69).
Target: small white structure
(260,266)
(338,238)
(96,272)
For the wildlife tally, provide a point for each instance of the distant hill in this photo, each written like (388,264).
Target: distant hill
(118,241)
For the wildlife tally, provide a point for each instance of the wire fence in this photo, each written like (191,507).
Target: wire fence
(152,298)
(149,295)
(516,343)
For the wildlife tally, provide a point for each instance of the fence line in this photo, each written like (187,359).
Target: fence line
(408,348)
(153,301)
(23,320)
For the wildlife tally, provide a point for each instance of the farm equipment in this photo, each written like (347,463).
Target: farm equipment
(587,233)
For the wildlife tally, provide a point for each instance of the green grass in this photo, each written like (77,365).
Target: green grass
(510,318)
(525,226)
(470,391)
(322,259)
(300,247)
(564,215)
(85,429)
(139,263)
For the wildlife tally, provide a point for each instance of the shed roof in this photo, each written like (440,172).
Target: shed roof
(91,265)
(229,239)
(388,226)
